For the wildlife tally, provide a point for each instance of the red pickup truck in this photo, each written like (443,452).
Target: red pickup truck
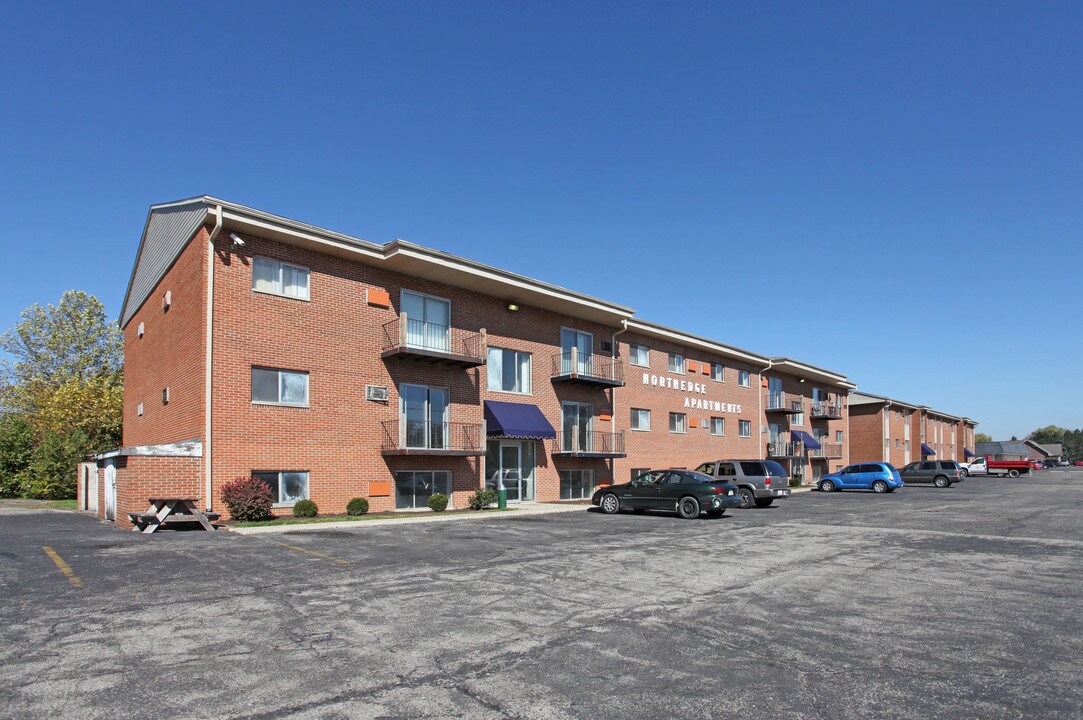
(984,466)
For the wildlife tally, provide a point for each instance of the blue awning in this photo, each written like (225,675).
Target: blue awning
(967,453)
(516,420)
(926,450)
(803,437)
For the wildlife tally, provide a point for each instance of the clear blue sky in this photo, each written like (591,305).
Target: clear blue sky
(881,189)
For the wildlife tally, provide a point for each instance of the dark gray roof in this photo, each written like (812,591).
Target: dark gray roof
(1002,448)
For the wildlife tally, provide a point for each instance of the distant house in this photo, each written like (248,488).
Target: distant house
(1005,450)
(1045,451)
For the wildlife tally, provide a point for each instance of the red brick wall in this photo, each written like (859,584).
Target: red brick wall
(867,433)
(170,354)
(140,478)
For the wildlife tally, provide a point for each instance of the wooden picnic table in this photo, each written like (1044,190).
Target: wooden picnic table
(173,511)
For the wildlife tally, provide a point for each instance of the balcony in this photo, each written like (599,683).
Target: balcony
(587,369)
(781,402)
(412,339)
(827,451)
(419,437)
(589,444)
(784,449)
(822,410)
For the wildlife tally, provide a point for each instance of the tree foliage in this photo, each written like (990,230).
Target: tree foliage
(983,438)
(63,385)
(1048,434)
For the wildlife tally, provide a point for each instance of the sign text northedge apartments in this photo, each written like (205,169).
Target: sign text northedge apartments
(693,387)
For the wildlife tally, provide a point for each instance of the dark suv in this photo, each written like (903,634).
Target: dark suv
(942,473)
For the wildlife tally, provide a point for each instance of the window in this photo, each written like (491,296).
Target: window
(676,363)
(797,418)
(640,355)
(423,417)
(576,484)
(508,371)
(641,419)
(279,387)
(897,443)
(413,488)
(279,278)
(718,372)
(578,426)
(838,436)
(744,378)
(428,321)
(744,428)
(677,423)
(636,472)
(287,486)
(139,409)
(718,426)
(583,344)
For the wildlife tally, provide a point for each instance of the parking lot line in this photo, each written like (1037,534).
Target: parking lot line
(340,561)
(64,567)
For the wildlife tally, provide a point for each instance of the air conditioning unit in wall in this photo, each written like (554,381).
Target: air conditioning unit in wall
(376,392)
(607,346)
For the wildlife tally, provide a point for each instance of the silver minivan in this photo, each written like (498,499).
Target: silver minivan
(759,482)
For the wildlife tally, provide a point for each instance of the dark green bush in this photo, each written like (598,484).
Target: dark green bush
(357,506)
(247,499)
(438,502)
(795,482)
(483,498)
(305,508)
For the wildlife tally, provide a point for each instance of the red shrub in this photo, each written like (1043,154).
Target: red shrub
(247,499)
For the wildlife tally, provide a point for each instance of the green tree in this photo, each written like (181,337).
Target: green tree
(982,437)
(65,381)
(1048,434)
(16,449)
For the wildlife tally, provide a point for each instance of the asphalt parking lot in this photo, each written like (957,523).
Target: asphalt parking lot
(925,603)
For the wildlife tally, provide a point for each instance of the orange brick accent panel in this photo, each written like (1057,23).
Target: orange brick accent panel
(605,481)
(706,369)
(380,488)
(379,298)
(692,366)
(692,422)
(605,417)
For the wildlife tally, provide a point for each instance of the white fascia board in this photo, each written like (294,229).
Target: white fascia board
(884,399)
(361,247)
(682,338)
(811,372)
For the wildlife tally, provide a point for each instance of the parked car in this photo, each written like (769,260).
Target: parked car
(879,477)
(759,482)
(1036,464)
(1078,463)
(1049,464)
(942,473)
(1000,468)
(685,492)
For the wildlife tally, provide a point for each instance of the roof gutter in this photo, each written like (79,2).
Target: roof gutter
(207,359)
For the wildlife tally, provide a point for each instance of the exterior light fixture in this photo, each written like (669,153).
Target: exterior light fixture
(513,307)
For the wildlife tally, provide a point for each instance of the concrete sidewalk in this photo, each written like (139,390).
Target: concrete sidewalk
(514,512)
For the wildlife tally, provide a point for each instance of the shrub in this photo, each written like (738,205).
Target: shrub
(247,499)
(305,508)
(357,506)
(795,482)
(483,498)
(438,502)
(51,474)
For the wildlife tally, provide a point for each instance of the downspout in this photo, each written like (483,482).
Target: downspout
(208,502)
(887,430)
(613,394)
(760,418)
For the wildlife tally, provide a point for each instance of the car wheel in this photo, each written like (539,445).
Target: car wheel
(880,486)
(966,473)
(827,486)
(748,498)
(941,482)
(764,502)
(1013,473)
(610,504)
(688,508)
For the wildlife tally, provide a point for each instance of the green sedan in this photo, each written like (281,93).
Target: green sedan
(685,492)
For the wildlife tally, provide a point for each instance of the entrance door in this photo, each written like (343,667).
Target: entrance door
(583,343)
(110,490)
(513,462)
(577,425)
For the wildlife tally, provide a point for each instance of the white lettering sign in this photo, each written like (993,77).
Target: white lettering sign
(692,387)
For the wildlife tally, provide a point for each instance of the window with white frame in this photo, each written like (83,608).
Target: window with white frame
(744,428)
(718,426)
(279,387)
(676,363)
(508,371)
(797,418)
(639,355)
(678,423)
(838,436)
(576,484)
(718,372)
(641,419)
(428,321)
(279,278)
(287,486)
(413,488)
(744,378)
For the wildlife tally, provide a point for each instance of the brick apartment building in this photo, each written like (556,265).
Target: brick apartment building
(333,368)
(889,430)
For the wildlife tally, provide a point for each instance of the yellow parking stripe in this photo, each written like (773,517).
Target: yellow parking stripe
(313,552)
(64,567)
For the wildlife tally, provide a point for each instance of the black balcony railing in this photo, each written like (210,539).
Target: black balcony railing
(783,402)
(823,410)
(784,449)
(587,368)
(590,443)
(408,337)
(421,437)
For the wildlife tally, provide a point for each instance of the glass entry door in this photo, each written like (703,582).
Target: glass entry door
(512,461)
(584,351)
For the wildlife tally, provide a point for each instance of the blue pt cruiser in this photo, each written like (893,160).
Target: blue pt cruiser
(879,477)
